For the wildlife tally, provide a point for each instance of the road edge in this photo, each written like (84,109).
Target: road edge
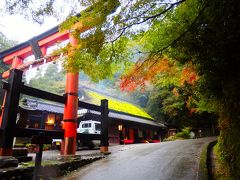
(204,169)
(49,170)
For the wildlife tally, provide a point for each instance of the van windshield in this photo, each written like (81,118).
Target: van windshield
(98,127)
(87,125)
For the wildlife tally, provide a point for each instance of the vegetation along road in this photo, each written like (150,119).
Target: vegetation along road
(167,160)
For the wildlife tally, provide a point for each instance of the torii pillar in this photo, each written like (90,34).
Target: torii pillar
(17,61)
(6,149)
(68,146)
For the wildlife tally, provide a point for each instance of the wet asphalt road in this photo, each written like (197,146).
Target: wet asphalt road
(157,161)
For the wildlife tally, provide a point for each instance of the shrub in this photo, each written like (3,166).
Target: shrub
(170,138)
(184,134)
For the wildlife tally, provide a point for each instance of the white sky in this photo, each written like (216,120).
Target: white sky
(17,28)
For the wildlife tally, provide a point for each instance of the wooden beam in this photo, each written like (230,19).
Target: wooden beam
(89,106)
(53,39)
(37,93)
(22,53)
(43,43)
(42,94)
(28,132)
(52,97)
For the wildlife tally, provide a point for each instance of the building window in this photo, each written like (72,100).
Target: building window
(35,125)
(140,133)
(58,122)
(151,134)
(50,119)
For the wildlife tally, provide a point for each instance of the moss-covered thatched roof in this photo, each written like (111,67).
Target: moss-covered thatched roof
(117,105)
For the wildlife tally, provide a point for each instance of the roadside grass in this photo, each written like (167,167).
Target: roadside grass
(203,169)
(206,166)
(173,138)
(44,163)
(221,171)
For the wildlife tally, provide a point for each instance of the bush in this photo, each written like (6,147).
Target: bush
(171,138)
(184,134)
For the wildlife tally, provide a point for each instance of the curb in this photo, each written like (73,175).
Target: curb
(204,170)
(48,171)
(209,159)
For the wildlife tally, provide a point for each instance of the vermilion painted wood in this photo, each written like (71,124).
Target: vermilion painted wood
(53,39)
(22,53)
(68,147)
(43,43)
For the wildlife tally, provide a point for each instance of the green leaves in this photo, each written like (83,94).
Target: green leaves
(52,81)
(5,43)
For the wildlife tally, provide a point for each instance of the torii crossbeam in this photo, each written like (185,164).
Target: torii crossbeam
(36,46)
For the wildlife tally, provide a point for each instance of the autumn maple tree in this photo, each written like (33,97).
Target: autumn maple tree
(204,32)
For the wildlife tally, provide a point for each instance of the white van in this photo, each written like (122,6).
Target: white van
(89,127)
(85,127)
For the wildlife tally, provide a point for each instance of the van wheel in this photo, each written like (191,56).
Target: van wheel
(79,144)
(91,145)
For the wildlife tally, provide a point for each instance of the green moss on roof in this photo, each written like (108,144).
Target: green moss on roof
(118,105)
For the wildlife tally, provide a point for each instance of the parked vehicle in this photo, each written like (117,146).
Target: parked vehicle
(89,127)
(85,127)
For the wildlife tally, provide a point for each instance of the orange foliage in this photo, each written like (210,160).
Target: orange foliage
(175,92)
(142,73)
(189,105)
(145,71)
(189,75)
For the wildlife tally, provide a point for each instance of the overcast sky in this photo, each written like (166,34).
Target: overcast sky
(17,28)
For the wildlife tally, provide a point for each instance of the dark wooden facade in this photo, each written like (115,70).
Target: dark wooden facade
(134,129)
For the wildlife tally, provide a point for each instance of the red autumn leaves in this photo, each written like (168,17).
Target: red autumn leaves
(146,71)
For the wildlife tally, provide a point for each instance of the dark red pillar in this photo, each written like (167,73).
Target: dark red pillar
(68,146)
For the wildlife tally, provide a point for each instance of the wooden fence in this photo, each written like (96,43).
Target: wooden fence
(14,87)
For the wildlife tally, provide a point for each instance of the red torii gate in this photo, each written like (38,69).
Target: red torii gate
(38,47)
(17,54)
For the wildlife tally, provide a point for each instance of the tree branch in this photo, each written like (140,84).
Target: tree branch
(183,34)
(154,16)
